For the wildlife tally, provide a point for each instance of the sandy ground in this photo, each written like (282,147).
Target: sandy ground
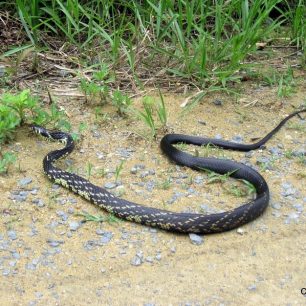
(45,260)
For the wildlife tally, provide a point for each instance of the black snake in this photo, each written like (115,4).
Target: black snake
(172,221)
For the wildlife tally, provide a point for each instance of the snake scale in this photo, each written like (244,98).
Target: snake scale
(164,219)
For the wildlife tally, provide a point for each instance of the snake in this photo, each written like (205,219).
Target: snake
(180,222)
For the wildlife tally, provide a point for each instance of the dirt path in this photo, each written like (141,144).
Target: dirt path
(48,257)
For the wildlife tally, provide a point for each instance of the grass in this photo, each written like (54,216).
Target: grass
(153,110)
(200,43)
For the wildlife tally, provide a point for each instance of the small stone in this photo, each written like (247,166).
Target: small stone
(196,239)
(218,136)
(54,243)
(136,261)
(218,102)
(299,207)
(173,249)
(201,122)
(149,259)
(25,181)
(237,138)
(240,231)
(96,134)
(6,272)
(249,154)
(110,185)
(158,257)
(100,155)
(276,151)
(276,206)
(292,217)
(252,287)
(38,202)
(62,214)
(12,235)
(74,225)
(15,255)
(106,237)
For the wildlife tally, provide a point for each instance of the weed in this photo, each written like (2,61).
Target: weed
(165,184)
(214,177)
(118,170)
(5,161)
(121,101)
(148,115)
(161,110)
(241,191)
(89,168)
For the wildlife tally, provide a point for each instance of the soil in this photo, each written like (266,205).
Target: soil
(45,261)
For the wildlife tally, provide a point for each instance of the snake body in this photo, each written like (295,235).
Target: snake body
(164,219)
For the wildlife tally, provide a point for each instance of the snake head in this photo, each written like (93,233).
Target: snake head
(40,131)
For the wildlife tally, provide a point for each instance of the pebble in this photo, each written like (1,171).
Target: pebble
(237,138)
(110,185)
(276,151)
(249,154)
(150,186)
(55,243)
(125,152)
(265,161)
(12,235)
(138,259)
(38,202)
(292,217)
(25,181)
(240,231)
(19,196)
(198,179)
(196,239)
(100,155)
(96,134)
(276,206)
(106,236)
(6,272)
(74,225)
(62,214)
(218,102)
(288,190)
(299,207)
(218,136)
(15,255)
(252,287)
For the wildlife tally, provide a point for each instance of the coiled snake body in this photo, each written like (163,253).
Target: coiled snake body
(172,221)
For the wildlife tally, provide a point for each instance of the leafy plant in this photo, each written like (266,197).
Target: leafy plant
(7,159)
(21,108)
(121,101)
